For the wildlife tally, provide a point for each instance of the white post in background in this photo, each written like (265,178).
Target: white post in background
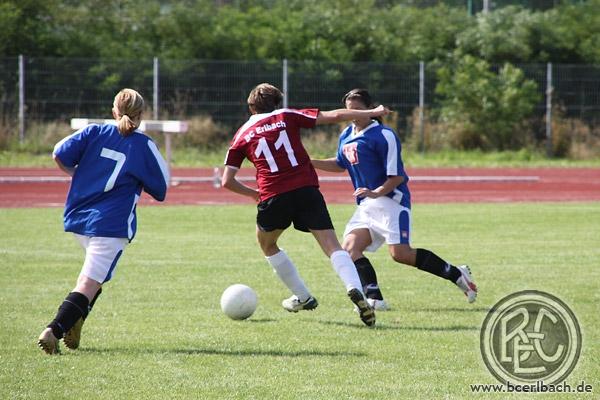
(549,90)
(155,90)
(21,99)
(284,80)
(486,6)
(422,104)
(168,149)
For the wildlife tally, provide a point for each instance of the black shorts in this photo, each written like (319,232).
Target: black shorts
(305,207)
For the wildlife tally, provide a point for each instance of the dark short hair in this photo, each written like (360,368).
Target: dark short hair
(359,94)
(265,98)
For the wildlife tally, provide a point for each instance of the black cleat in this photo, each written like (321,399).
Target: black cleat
(366,313)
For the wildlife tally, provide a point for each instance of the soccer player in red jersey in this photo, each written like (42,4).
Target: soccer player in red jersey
(288,190)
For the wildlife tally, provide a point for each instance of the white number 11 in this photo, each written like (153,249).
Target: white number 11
(283,140)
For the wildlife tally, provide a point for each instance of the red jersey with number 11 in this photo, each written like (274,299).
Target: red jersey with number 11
(272,143)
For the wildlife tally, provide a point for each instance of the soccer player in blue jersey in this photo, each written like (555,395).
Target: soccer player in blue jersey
(371,153)
(110,165)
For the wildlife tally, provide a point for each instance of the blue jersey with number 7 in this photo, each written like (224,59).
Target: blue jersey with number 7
(110,172)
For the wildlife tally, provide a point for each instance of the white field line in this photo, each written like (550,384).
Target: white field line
(34,179)
(202,179)
(216,179)
(441,179)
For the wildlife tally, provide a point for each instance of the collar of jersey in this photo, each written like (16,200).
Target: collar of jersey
(354,133)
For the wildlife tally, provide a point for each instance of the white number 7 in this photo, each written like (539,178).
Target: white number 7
(120,159)
(282,140)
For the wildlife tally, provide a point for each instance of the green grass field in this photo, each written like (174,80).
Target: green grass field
(157,331)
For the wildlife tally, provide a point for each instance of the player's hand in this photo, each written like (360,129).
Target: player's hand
(380,111)
(364,192)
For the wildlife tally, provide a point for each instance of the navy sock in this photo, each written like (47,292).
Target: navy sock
(368,278)
(74,306)
(93,302)
(429,262)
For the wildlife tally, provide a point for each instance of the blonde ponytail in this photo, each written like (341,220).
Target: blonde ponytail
(128,107)
(126,125)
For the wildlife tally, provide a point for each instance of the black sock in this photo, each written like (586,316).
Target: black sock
(74,306)
(430,262)
(93,302)
(368,278)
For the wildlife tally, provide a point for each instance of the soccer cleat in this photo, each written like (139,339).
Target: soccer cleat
(294,305)
(73,336)
(378,305)
(466,284)
(366,313)
(48,342)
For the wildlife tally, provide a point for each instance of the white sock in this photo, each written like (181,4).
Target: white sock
(286,270)
(344,267)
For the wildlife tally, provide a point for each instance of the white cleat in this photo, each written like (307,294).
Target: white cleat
(293,304)
(378,305)
(466,284)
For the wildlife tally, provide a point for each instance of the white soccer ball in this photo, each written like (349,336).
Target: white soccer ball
(238,301)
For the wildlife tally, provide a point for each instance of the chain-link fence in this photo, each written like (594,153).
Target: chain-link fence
(50,89)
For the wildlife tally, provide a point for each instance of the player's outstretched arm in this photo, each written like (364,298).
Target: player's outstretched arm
(230,182)
(328,164)
(344,114)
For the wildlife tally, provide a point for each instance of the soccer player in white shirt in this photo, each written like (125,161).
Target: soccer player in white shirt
(371,153)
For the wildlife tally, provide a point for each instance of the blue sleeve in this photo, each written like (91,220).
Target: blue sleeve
(70,149)
(339,159)
(388,146)
(155,174)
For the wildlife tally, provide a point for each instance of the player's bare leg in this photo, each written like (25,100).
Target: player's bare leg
(345,269)
(268,241)
(286,271)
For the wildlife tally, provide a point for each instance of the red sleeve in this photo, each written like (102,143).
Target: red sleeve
(234,157)
(305,118)
(237,150)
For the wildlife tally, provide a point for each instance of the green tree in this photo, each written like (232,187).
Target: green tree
(499,36)
(485,109)
(583,22)
(26,27)
(414,34)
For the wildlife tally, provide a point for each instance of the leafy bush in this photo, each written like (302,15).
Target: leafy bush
(483,108)
(204,134)
(572,138)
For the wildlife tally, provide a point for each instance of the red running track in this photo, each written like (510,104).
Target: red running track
(428,185)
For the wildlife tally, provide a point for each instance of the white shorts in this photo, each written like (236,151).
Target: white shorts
(387,221)
(101,256)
